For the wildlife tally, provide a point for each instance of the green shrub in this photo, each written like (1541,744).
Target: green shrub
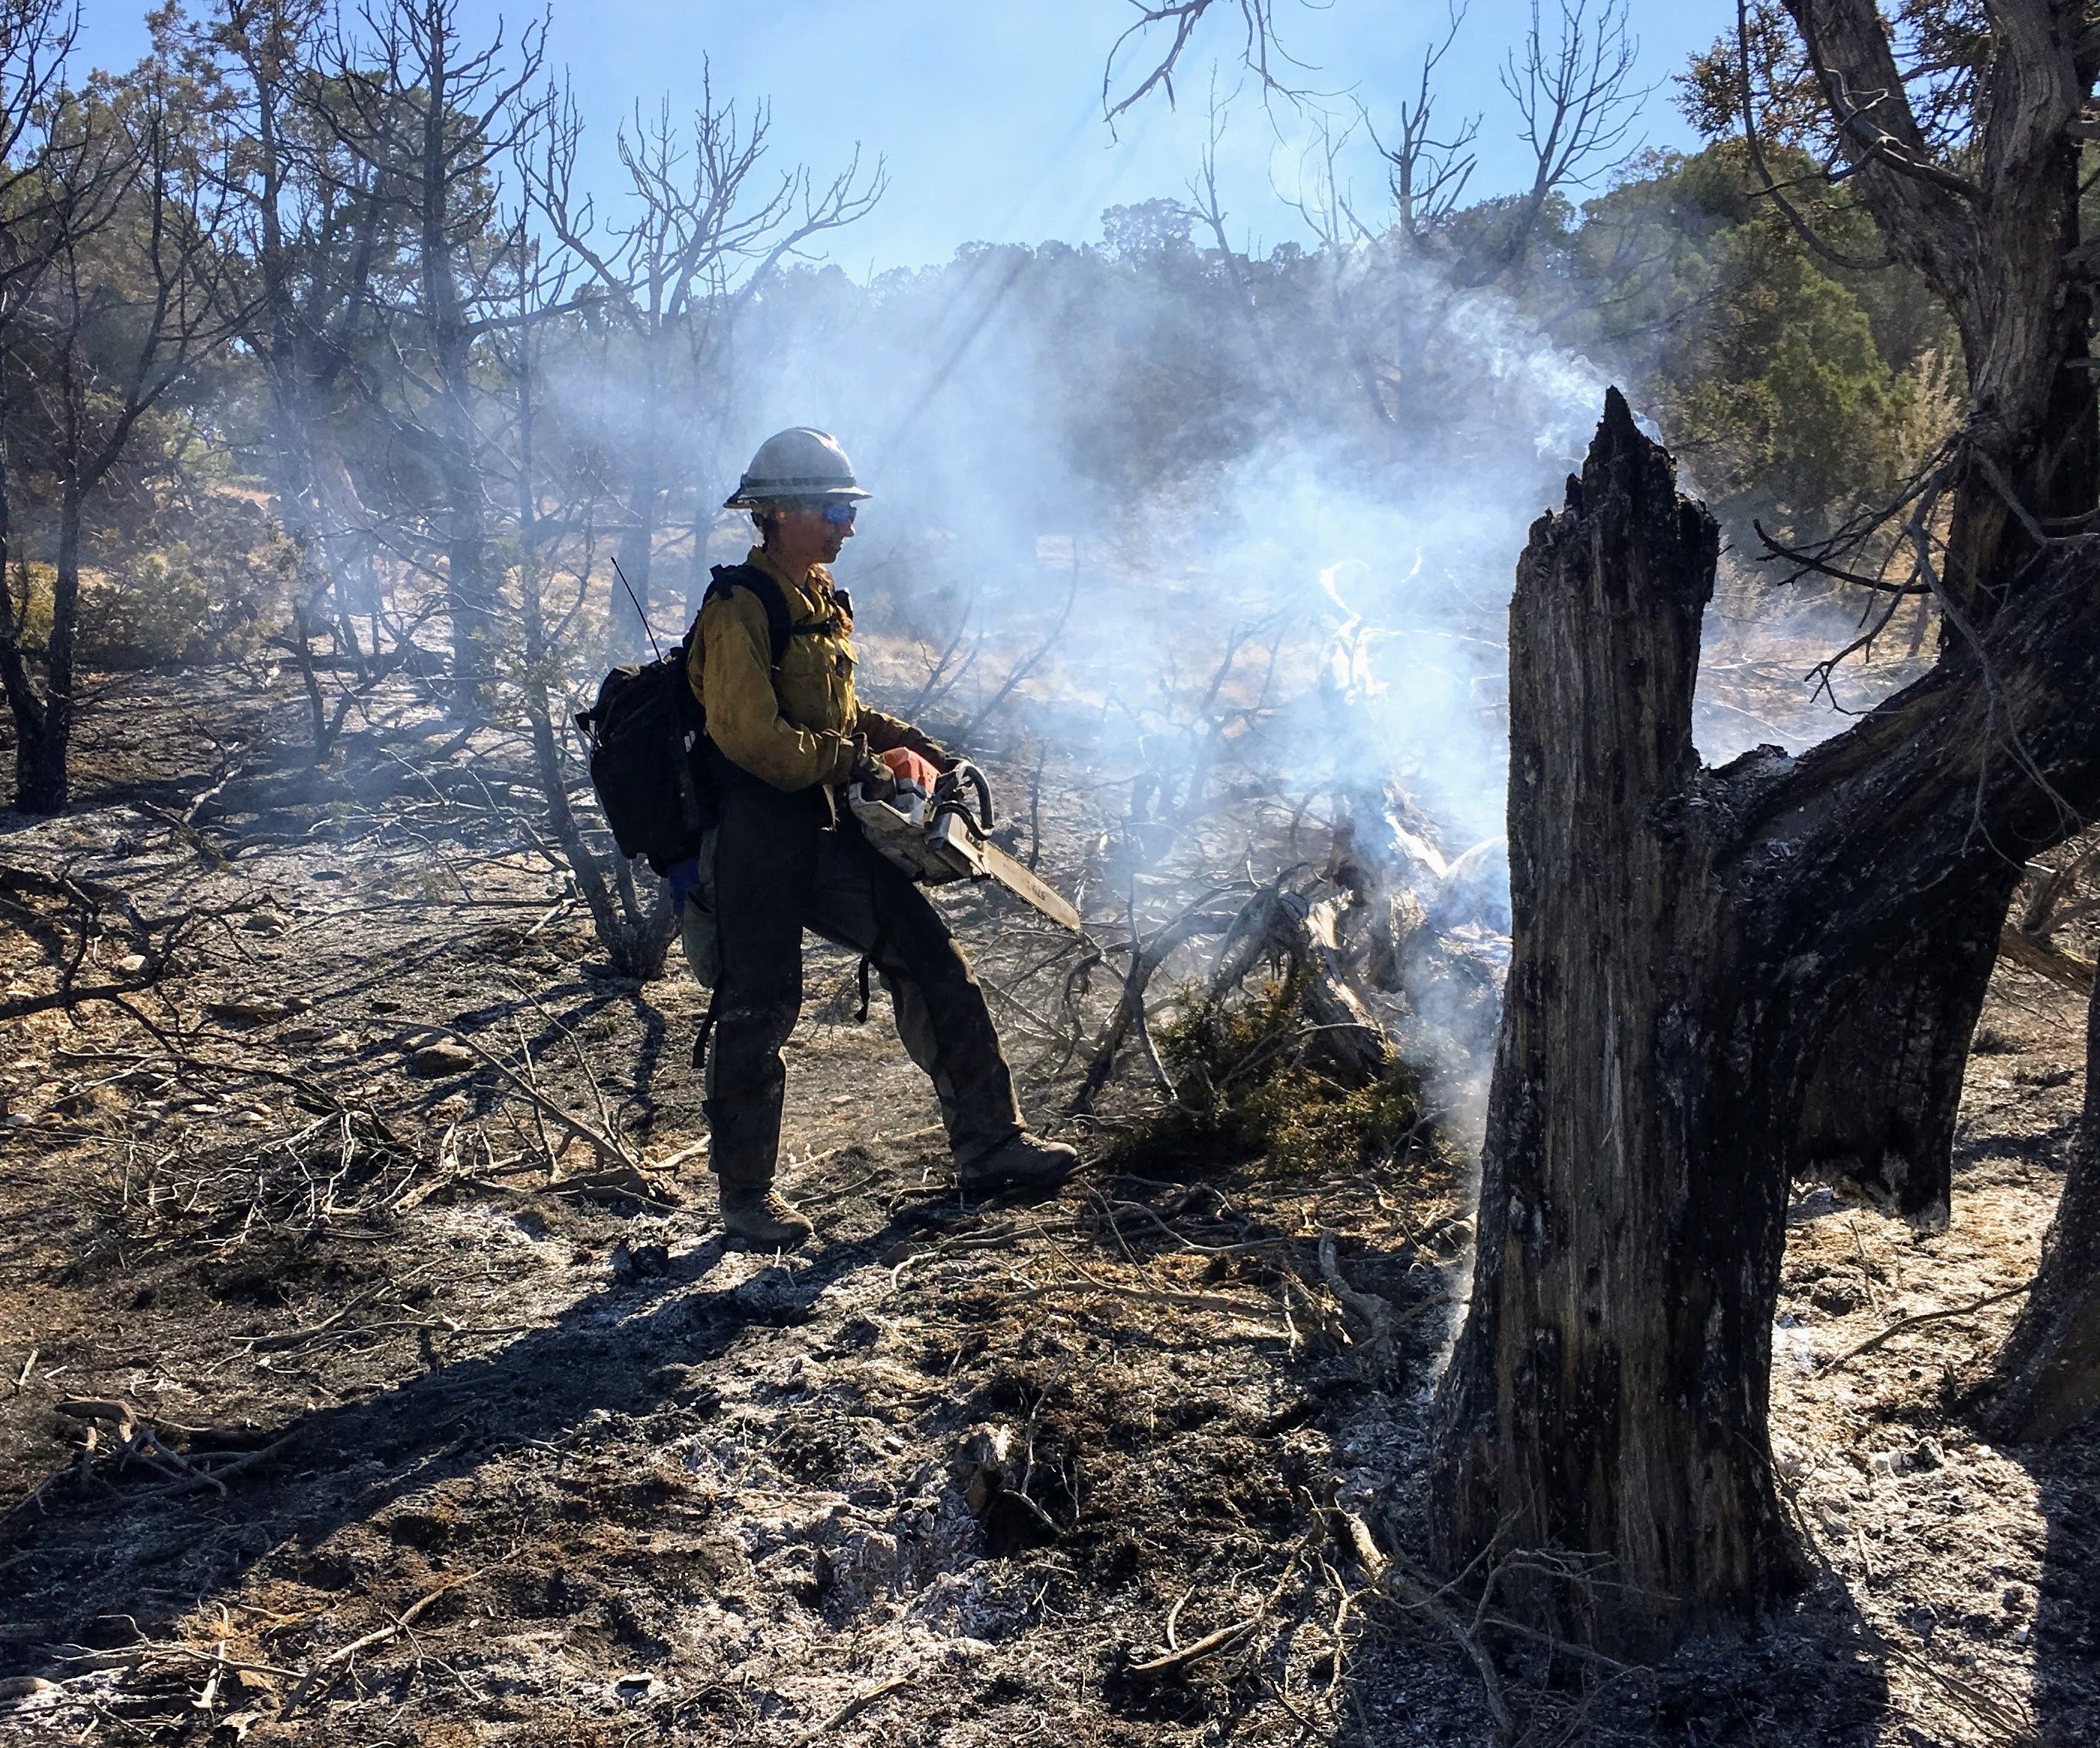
(29,593)
(187,604)
(1250,1087)
(150,614)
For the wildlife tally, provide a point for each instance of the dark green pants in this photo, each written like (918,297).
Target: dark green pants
(776,868)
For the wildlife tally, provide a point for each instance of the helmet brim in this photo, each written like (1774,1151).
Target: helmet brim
(745,497)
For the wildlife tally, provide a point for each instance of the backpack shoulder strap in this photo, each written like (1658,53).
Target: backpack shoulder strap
(779,626)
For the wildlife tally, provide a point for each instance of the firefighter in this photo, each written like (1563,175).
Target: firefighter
(785,856)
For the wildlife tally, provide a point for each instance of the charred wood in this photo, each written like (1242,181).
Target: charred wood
(1289,929)
(1688,947)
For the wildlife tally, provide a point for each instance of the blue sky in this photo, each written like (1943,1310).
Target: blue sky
(987,113)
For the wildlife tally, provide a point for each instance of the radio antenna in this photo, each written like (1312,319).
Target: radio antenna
(639,613)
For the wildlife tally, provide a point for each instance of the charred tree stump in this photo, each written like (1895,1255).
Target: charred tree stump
(1613,1360)
(1688,947)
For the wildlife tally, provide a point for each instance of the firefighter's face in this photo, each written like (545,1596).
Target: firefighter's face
(809,536)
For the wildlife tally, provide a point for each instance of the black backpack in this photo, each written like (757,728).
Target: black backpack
(647,733)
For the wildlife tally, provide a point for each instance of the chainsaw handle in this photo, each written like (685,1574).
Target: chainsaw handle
(960,772)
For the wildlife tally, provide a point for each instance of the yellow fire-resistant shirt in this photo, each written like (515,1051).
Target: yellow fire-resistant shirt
(794,728)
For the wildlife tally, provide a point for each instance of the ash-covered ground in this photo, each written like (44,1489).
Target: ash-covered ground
(421,1414)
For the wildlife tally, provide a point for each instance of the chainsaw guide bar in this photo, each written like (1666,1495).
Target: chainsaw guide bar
(936,840)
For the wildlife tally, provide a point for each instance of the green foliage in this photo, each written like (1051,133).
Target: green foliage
(1798,391)
(29,594)
(1151,227)
(144,617)
(1952,38)
(1249,1090)
(183,602)
(1790,408)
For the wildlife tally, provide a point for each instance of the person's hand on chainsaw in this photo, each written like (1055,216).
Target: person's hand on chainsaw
(907,766)
(871,774)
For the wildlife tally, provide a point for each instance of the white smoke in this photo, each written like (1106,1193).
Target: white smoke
(1059,441)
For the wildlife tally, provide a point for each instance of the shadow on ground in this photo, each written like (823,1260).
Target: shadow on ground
(2067,1692)
(98,1572)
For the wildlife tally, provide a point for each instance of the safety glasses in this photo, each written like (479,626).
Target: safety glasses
(840,513)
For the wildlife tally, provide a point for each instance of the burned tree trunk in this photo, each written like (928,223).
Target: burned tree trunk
(1613,1364)
(1881,1107)
(1990,215)
(2046,1379)
(1688,947)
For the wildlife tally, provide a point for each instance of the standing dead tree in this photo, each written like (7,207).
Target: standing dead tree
(1688,946)
(1578,103)
(431,118)
(1427,176)
(1207,204)
(703,236)
(309,242)
(136,297)
(554,504)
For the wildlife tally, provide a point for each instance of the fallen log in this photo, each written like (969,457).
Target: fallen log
(1289,929)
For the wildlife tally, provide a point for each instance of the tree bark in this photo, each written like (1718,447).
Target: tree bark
(1994,230)
(2045,1380)
(1688,947)
(1881,1107)
(43,784)
(1614,1361)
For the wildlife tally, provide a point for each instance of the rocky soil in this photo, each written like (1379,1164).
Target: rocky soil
(430,1406)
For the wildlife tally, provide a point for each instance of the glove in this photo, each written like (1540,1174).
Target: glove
(907,766)
(871,775)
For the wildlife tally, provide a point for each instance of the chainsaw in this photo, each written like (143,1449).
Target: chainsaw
(936,838)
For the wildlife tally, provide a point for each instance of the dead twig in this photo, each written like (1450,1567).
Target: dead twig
(140,1441)
(399,1625)
(292,1337)
(1209,1645)
(853,1709)
(1225,1637)
(1021,670)
(606,1146)
(1247,1313)
(1396,1579)
(1373,1313)
(2035,952)
(1145,960)
(315,1095)
(1901,1324)
(87,1662)
(1217,1302)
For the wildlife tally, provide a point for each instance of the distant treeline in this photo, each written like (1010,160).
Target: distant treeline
(308,334)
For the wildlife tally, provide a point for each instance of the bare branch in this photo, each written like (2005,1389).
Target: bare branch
(1429,175)
(1772,189)
(1578,105)
(1259,50)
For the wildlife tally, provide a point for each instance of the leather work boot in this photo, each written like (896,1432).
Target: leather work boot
(1026,1161)
(763,1220)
